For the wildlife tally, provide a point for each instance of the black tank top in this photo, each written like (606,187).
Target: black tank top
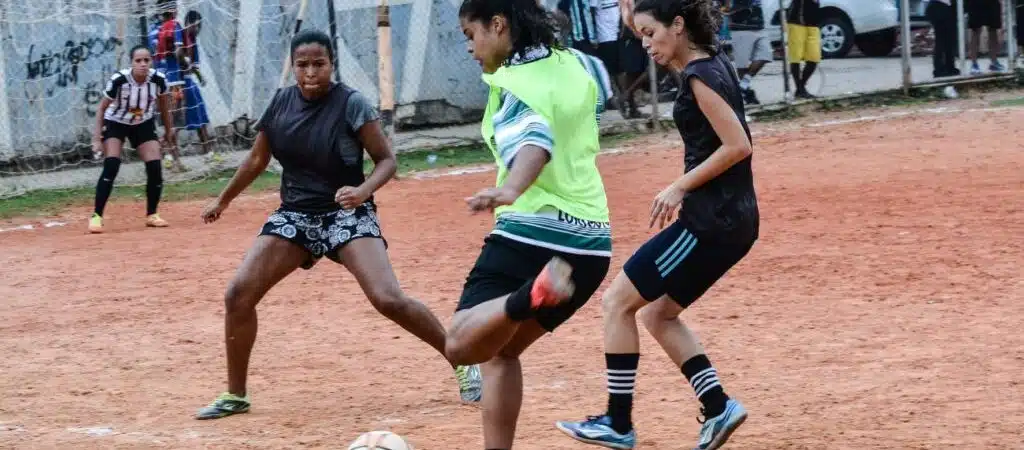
(725,208)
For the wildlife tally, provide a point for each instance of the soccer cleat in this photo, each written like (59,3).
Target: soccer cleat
(470,383)
(553,285)
(95,223)
(154,220)
(224,405)
(597,430)
(716,430)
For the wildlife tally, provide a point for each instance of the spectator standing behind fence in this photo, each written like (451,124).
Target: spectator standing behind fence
(607,26)
(984,14)
(633,64)
(804,17)
(582,33)
(942,15)
(196,117)
(167,59)
(751,48)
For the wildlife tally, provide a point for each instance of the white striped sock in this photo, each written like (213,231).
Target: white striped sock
(704,381)
(621,381)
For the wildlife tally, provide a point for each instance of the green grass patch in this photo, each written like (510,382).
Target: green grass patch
(51,201)
(1008,102)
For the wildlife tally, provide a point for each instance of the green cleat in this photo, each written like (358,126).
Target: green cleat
(225,405)
(470,383)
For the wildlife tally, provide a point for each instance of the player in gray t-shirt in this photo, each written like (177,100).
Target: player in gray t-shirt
(318,130)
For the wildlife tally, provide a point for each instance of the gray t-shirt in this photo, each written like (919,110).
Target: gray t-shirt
(317,144)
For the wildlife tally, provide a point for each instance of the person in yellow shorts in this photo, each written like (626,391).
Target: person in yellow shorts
(804,22)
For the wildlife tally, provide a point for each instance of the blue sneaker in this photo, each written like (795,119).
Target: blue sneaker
(716,430)
(598,430)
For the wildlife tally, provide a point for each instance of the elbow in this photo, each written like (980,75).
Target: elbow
(388,165)
(743,151)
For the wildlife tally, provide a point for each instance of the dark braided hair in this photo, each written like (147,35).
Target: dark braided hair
(700,17)
(529,23)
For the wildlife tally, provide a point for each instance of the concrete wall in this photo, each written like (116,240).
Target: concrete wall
(55,56)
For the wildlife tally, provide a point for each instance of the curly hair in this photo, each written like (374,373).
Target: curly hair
(701,18)
(529,23)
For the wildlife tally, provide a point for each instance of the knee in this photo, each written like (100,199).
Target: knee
(240,298)
(619,305)
(655,318)
(111,166)
(460,353)
(154,172)
(458,347)
(389,301)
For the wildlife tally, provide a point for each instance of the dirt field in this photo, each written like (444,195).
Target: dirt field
(882,308)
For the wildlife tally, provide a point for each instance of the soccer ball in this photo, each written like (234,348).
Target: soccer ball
(380,440)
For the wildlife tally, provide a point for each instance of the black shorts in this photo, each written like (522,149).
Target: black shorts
(324,234)
(136,134)
(633,57)
(610,53)
(984,13)
(505,265)
(675,262)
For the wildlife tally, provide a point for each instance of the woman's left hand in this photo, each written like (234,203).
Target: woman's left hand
(665,205)
(490,198)
(350,197)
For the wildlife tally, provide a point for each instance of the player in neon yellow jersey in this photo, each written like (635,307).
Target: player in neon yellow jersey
(550,247)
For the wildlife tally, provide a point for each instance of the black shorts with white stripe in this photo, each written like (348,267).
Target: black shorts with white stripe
(677,263)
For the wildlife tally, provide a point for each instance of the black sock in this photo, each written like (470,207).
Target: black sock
(105,185)
(517,305)
(621,381)
(704,380)
(154,185)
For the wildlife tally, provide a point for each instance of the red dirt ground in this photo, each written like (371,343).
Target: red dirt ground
(882,308)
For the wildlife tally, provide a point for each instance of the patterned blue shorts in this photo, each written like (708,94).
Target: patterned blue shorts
(324,234)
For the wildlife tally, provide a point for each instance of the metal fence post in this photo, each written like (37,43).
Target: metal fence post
(961,36)
(905,43)
(785,51)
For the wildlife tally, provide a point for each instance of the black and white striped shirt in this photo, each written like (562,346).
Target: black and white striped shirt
(132,102)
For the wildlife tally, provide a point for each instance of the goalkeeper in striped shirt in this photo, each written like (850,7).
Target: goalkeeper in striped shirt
(551,244)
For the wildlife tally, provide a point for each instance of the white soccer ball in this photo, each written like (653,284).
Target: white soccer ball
(380,440)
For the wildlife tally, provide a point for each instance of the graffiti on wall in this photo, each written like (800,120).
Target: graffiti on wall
(60,67)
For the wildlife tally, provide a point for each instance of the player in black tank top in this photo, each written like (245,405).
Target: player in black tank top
(716,227)
(318,131)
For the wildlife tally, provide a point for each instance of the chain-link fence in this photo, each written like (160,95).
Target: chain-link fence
(56,56)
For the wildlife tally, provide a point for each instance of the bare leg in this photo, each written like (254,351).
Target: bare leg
(503,387)
(477,334)
(755,68)
(268,261)
(620,304)
(204,139)
(975,46)
(367,260)
(662,320)
(993,45)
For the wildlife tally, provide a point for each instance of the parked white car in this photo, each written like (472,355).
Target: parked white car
(872,25)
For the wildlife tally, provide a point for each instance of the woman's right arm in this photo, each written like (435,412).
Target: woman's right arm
(251,168)
(100,111)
